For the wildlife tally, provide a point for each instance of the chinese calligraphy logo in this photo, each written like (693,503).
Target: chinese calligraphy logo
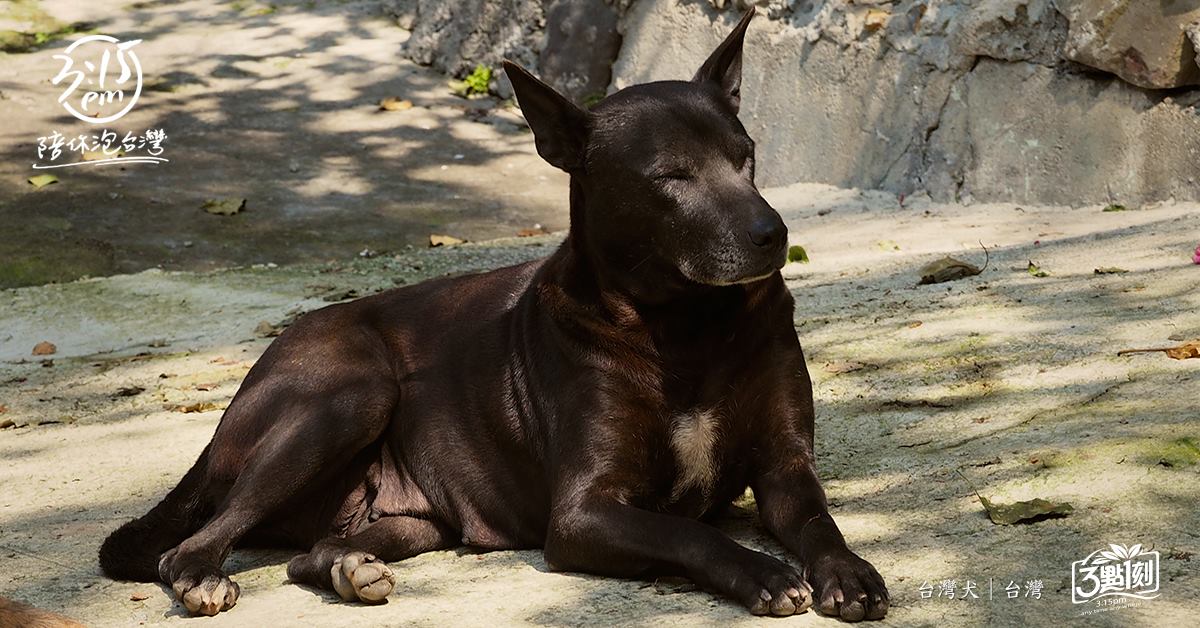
(102,80)
(89,66)
(1116,571)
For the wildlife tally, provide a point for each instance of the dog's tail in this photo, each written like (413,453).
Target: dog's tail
(133,550)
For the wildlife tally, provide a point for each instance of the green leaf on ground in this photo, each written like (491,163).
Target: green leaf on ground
(1115,207)
(1037,271)
(797,254)
(1025,512)
(1110,270)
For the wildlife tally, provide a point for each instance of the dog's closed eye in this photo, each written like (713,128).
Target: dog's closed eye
(674,175)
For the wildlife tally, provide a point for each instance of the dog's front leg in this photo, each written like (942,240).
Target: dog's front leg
(603,536)
(792,505)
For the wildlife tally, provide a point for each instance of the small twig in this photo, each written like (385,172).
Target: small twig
(1128,351)
(958,470)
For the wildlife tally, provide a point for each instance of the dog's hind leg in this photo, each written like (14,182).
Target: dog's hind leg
(314,437)
(354,566)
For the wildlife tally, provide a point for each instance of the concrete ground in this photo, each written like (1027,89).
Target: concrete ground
(1005,383)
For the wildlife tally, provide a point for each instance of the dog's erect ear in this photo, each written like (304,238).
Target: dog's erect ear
(559,127)
(724,65)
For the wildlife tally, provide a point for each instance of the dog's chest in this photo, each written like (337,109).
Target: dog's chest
(698,444)
(694,438)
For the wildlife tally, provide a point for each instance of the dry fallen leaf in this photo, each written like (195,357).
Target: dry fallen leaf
(947,269)
(138,596)
(392,103)
(42,180)
(1025,512)
(1184,351)
(537,230)
(224,206)
(199,406)
(950,269)
(265,329)
(436,239)
(44,348)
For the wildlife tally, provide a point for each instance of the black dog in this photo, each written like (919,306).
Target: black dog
(595,403)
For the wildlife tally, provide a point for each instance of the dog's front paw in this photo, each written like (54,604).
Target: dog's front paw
(769,586)
(205,591)
(847,586)
(202,588)
(360,577)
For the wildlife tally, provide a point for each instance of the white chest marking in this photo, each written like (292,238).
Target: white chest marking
(694,439)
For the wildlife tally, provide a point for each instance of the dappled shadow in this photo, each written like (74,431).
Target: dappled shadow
(1008,390)
(283,112)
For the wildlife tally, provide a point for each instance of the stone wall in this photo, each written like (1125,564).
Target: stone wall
(570,43)
(1039,101)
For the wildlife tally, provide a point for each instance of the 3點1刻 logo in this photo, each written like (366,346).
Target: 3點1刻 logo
(1115,571)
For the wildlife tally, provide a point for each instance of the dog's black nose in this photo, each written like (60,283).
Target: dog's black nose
(768,231)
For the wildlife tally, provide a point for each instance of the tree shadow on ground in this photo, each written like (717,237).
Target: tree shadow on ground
(286,117)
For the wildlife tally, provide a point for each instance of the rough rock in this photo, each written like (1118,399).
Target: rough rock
(1013,30)
(1034,134)
(961,99)
(454,36)
(574,53)
(875,93)
(581,43)
(1193,33)
(1144,43)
